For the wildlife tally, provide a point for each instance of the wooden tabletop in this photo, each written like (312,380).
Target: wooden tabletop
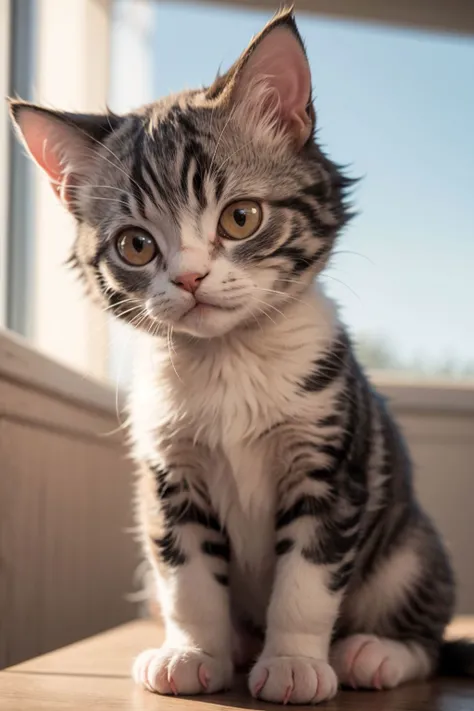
(95,674)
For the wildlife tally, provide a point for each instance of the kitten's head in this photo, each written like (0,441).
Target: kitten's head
(206,210)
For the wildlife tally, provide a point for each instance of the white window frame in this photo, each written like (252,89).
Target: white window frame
(72,73)
(4,153)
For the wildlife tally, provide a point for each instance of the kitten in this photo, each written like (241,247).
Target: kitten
(274,492)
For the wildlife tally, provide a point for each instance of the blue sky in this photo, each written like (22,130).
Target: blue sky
(398,106)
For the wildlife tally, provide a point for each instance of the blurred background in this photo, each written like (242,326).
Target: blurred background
(394,95)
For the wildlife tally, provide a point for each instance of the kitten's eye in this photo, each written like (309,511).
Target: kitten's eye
(136,247)
(240,219)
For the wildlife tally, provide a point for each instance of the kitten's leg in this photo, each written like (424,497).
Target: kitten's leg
(315,538)
(293,666)
(190,553)
(403,606)
(366,661)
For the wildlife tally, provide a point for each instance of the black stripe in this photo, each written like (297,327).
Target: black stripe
(256,249)
(341,577)
(222,579)
(299,205)
(125,204)
(319,190)
(163,487)
(323,474)
(114,298)
(219,182)
(331,450)
(187,157)
(382,546)
(185,121)
(217,550)
(169,550)
(301,260)
(330,421)
(329,367)
(330,548)
(151,175)
(284,546)
(136,177)
(350,521)
(189,512)
(132,280)
(198,187)
(376,522)
(202,167)
(304,506)
(358,460)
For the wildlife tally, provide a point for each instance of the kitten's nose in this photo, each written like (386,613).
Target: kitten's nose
(189,281)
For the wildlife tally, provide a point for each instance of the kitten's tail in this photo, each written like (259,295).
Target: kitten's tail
(457,658)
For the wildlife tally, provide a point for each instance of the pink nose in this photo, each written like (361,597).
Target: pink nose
(189,282)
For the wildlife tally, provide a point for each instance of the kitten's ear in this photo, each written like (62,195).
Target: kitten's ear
(63,144)
(273,73)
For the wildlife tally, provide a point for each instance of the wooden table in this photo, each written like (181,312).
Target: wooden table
(94,674)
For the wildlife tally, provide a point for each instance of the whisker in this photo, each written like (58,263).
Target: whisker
(357,254)
(89,185)
(231,115)
(169,337)
(328,276)
(282,293)
(241,148)
(262,311)
(259,301)
(110,307)
(114,165)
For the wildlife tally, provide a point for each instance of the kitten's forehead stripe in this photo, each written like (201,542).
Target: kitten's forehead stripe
(138,184)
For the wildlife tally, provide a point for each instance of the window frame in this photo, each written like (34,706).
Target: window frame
(5,10)
(40,232)
(21,244)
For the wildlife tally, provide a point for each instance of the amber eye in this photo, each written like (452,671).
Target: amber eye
(240,219)
(136,247)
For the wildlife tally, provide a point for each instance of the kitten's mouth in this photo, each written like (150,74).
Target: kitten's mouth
(207,306)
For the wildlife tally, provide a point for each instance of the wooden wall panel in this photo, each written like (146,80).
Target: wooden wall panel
(67,554)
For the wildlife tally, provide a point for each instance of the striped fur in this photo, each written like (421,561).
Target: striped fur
(274,489)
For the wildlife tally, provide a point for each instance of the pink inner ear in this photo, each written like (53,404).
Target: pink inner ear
(42,136)
(280,62)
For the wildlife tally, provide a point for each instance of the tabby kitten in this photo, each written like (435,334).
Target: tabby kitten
(274,492)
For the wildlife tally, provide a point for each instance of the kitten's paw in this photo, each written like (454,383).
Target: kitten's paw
(368,662)
(292,680)
(181,671)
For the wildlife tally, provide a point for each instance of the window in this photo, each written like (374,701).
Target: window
(394,105)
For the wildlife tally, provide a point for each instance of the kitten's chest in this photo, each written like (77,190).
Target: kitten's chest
(237,398)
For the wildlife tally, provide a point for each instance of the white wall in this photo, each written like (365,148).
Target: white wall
(438,422)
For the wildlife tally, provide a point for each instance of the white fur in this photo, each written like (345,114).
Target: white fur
(226,401)
(386,589)
(376,663)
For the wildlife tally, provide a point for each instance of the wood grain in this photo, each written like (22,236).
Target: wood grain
(95,674)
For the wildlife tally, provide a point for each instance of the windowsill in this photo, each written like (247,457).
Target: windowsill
(21,363)
(433,396)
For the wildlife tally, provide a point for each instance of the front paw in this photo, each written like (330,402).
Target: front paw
(294,680)
(181,671)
